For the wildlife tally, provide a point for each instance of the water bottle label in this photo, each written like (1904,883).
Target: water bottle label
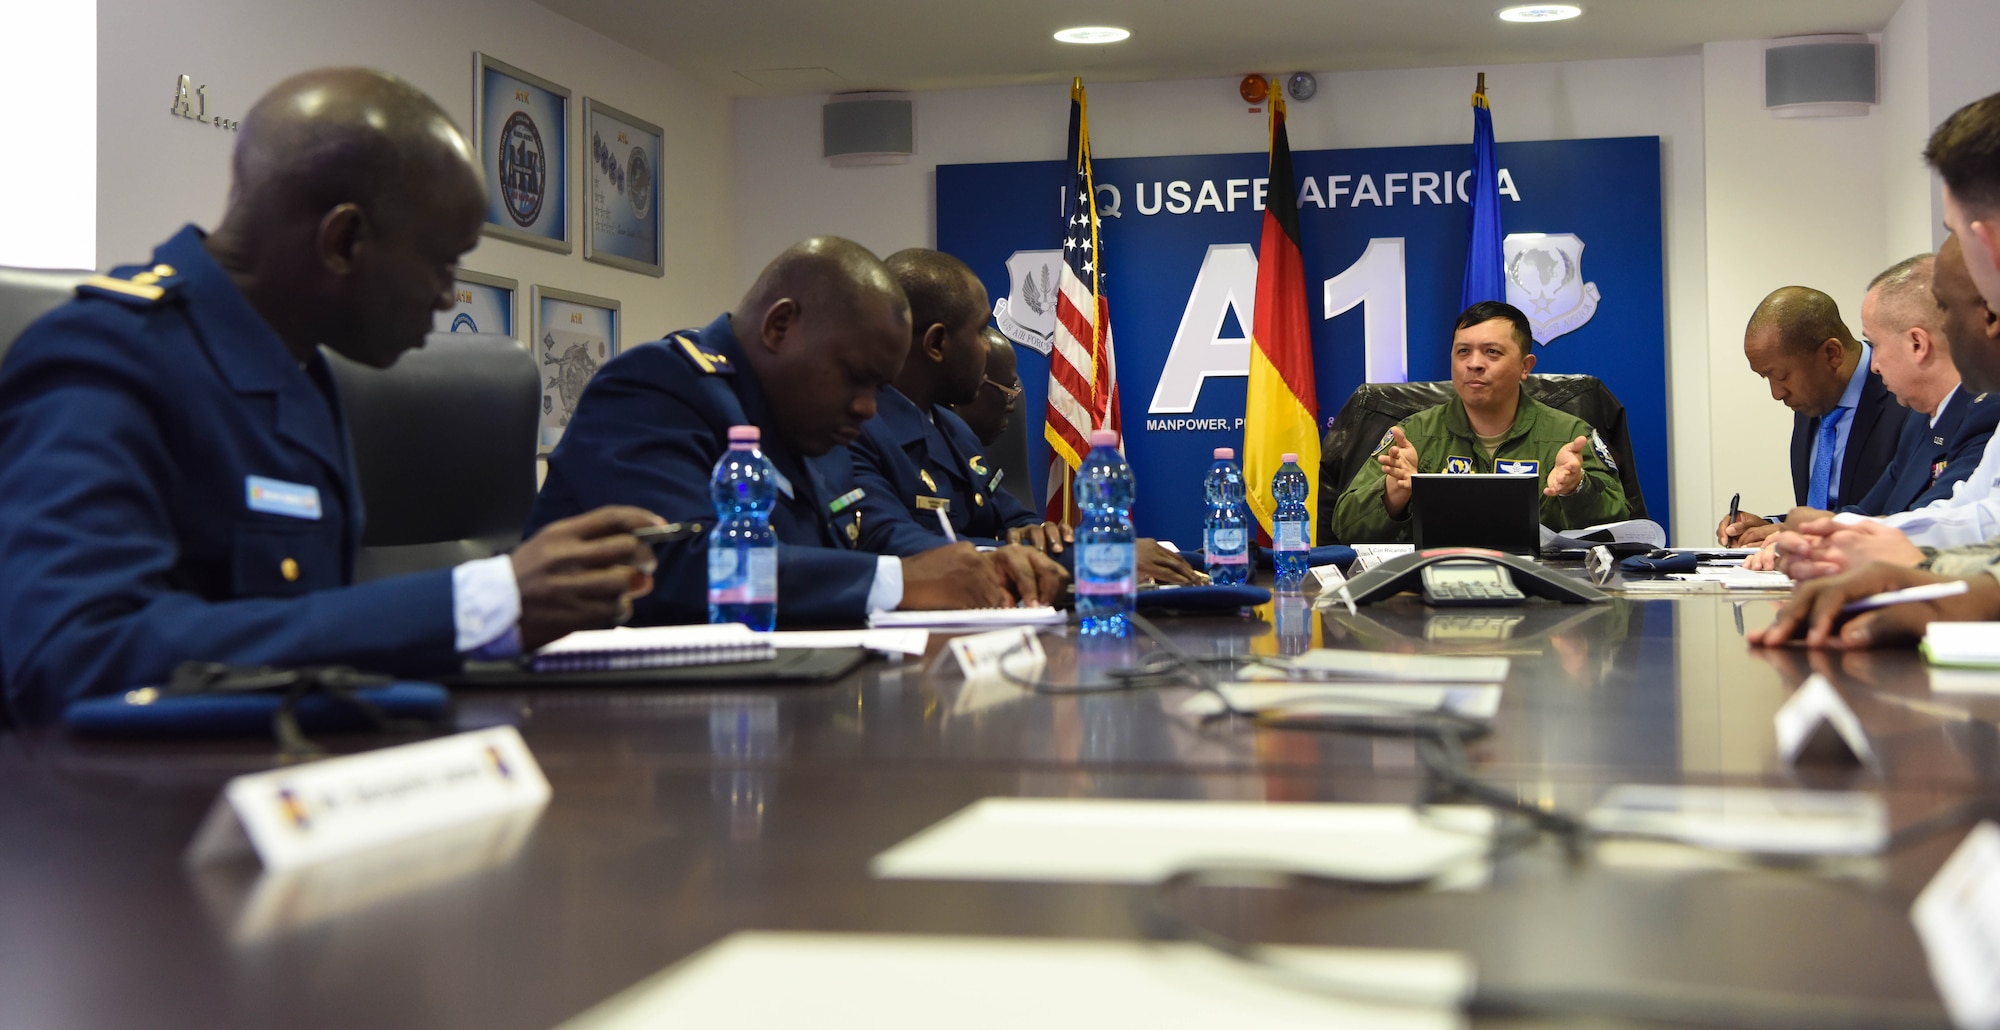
(763,575)
(1108,569)
(1291,536)
(1227,547)
(758,584)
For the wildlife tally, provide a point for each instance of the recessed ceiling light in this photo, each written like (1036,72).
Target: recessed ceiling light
(1540,12)
(1093,34)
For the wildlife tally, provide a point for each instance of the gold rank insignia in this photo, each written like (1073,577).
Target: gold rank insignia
(709,361)
(925,475)
(149,285)
(977,463)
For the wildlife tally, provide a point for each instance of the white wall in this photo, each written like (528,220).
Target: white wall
(1937,57)
(50,53)
(786,191)
(158,171)
(1791,201)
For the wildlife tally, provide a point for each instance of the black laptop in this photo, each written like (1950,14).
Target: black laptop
(1499,512)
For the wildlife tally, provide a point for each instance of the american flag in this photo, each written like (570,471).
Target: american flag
(1083,376)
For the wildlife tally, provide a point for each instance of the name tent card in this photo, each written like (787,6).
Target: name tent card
(1817,725)
(304,814)
(1958,918)
(983,656)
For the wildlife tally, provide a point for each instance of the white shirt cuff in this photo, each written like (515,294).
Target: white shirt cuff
(486,608)
(887,591)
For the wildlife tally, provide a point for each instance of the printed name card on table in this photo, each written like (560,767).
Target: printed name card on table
(984,656)
(1816,723)
(307,813)
(1958,918)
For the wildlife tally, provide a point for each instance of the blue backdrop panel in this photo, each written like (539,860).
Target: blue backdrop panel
(1605,193)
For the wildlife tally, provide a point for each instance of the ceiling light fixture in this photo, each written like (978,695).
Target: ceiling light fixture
(1093,35)
(1540,12)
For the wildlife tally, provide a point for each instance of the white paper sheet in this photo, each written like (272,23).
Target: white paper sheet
(1112,841)
(1345,698)
(969,618)
(886,641)
(907,982)
(1409,668)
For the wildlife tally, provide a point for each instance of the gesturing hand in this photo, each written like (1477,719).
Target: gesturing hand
(1567,475)
(1399,463)
(582,573)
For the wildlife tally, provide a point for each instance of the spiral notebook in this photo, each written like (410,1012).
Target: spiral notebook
(653,647)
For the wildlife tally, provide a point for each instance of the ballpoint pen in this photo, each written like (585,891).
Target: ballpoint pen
(1735,507)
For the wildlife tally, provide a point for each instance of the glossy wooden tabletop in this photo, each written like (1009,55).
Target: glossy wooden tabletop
(681,816)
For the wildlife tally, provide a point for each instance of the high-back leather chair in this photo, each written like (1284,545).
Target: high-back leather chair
(1374,407)
(1009,454)
(29,293)
(444,445)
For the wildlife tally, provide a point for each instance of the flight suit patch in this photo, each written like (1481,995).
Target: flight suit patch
(1457,466)
(1517,468)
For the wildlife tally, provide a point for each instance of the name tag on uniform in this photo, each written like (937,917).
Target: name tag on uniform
(784,483)
(277,497)
(1517,468)
(933,503)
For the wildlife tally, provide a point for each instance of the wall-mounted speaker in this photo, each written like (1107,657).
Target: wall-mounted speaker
(1820,76)
(872,128)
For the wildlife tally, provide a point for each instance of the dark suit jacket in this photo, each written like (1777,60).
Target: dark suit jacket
(1871,445)
(1930,460)
(648,431)
(902,457)
(177,487)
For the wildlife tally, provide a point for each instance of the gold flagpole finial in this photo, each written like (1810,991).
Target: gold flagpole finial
(1481,90)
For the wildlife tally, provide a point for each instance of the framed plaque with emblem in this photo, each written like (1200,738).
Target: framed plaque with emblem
(520,126)
(574,335)
(621,203)
(481,304)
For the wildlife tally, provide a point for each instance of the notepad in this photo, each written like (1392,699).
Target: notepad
(1968,644)
(652,647)
(969,618)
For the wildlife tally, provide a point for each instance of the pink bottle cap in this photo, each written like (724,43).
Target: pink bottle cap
(750,434)
(1104,438)
(1222,453)
(1288,458)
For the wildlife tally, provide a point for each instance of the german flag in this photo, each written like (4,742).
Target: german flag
(1282,412)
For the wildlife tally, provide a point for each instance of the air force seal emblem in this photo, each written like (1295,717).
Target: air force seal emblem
(523,169)
(1027,315)
(1517,468)
(1545,280)
(1457,466)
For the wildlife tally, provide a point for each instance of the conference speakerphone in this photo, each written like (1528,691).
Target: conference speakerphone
(1530,579)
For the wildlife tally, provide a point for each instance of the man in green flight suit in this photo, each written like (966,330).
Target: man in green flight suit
(1491,426)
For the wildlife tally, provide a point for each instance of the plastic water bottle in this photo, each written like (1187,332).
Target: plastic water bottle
(1225,532)
(742,548)
(1107,574)
(1291,526)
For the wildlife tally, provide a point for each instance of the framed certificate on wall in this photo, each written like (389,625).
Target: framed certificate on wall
(520,127)
(621,206)
(484,304)
(574,334)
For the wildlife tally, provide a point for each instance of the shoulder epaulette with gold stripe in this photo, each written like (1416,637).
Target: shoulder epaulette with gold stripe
(142,287)
(707,360)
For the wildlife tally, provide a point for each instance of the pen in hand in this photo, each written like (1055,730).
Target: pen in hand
(1735,509)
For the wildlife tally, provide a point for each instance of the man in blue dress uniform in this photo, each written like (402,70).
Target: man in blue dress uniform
(178,484)
(918,462)
(801,358)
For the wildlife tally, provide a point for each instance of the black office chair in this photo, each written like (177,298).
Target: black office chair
(1374,407)
(29,293)
(444,445)
(1009,454)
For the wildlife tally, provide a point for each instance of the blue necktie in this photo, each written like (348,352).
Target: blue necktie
(1822,469)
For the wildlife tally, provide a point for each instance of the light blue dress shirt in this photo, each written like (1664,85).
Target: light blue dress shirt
(1850,399)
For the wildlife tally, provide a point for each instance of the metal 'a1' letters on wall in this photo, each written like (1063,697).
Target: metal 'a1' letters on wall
(193,105)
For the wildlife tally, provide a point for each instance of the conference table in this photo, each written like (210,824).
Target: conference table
(682,815)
